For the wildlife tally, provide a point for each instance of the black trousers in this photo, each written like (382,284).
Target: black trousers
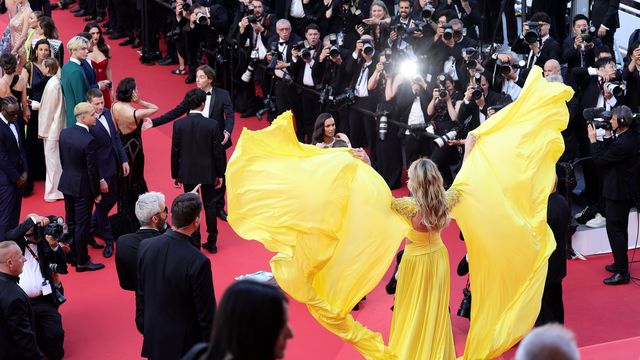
(389,158)
(41,5)
(11,202)
(552,308)
(100,224)
(125,10)
(362,128)
(416,147)
(285,98)
(78,215)
(309,111)
(208,194)
(617,231)
(444,157)
(48,323)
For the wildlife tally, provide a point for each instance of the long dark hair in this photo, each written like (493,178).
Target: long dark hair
(318,128)
(102,45)
(124,91)
(49,29)
(248,322)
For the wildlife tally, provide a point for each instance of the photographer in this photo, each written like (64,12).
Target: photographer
(300,13)
(464,12)
(332,71)
(362,127)
(461,39)
(631,74)
(399,37)
(305,56)
(480,102)
(616,155)
(578,50)
(506,76)
(279,60)
(442,111)
(445,56)
(38,238)
(415,103)
(535,42)
(254,30)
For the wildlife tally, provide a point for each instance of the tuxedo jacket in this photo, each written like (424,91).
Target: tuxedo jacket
(46,255)
(293,39)
(221,110)
(80,174)
(312,11)
(17,326)
(90,73)
(268,22)
(109,150)
(605,12)
(175,302)
(74,87)
(617,159)
(13,158)
(550,50)
(197,157)
(298,67)
(126,257)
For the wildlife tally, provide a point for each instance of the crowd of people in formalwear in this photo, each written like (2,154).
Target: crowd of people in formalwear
(73,126)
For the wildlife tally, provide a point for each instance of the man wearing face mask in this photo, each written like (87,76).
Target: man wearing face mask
(178,304)
(151,211)
(616,155)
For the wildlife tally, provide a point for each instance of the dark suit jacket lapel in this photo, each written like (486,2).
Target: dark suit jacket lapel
(212,103)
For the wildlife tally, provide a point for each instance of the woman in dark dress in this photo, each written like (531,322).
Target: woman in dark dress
(34,72)
(129,120)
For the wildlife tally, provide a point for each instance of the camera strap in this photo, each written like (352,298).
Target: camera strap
(32,253)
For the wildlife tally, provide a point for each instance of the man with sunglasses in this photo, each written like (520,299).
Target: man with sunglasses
(151,211)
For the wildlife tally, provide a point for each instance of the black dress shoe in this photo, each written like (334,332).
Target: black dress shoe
(89,266)
(80,13)
(94,244)
(168,60)
(136,44)
(151,58)
(76,10)
(90,18)
(127,42)
(116,35)
(108,250)
(617,279)
(190,79)
(210,248)
(611,268)
(248,114)
(222,215)
(100,19)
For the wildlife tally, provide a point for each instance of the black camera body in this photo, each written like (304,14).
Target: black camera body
(427,11)
(399,29)
(448,32)
(598,117)
(465,306)
(533,34)
(326,95)
(588,34)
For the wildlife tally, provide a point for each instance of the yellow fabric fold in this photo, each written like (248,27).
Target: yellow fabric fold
(506,181)
(328,218)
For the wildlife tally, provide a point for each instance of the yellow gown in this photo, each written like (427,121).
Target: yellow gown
(421,325)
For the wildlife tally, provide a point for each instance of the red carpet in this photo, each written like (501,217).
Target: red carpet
(99,316)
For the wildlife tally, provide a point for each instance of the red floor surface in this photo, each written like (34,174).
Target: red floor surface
(99,317)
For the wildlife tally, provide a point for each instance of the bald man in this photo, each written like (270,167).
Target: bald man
(552,67)
(17,335)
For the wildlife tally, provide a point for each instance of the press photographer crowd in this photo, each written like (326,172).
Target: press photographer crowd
(400,80)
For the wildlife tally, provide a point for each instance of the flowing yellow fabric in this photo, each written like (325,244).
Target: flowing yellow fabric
(327,216)
(506,181)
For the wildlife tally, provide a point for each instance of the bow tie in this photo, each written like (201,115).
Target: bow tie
(208,93)
(282,43)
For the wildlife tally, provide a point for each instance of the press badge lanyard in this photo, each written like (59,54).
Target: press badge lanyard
(46,286)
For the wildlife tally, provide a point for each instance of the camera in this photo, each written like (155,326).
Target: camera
(268,105)
(459,128)
(252,19)
(418,27)
(465,305)
(367,48)
(533,34)
(383,127)
(448,32)
(334,51)
(477,93)
(598,117)
(186,6)
(427,11)
(588,34)
(333,39)
(348,97)
(442,91)
(399,29)
(616,88)
(326,95)
(471,64)
(388,57)
(505,68)
(201,19)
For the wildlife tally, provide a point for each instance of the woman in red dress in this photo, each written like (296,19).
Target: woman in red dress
(100,60)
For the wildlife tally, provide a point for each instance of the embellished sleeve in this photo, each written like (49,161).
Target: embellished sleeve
(453,196)
(405,207)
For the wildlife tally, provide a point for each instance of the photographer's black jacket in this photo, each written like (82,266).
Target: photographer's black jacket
(46,255)
(549,49)
(268,22)
(617,158)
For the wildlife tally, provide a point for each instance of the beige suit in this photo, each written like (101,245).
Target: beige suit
(51,119)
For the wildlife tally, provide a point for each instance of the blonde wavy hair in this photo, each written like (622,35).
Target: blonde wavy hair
(426,185)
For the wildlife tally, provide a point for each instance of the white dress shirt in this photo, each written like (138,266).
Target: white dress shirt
(103,121)
(297,10)
(31,278)
(207,103)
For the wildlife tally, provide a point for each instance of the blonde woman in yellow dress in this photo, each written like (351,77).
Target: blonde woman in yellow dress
(421,325)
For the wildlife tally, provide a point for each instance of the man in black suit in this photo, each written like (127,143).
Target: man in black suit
(558,218)
(577,52)
(151,211)
(218,107)
(175,306)
(617,158)
(110,155)
(542,50)
(604,16)
(80,181)
(281,45)
(197,157)
(43,255)
(17,334)
(13,165)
